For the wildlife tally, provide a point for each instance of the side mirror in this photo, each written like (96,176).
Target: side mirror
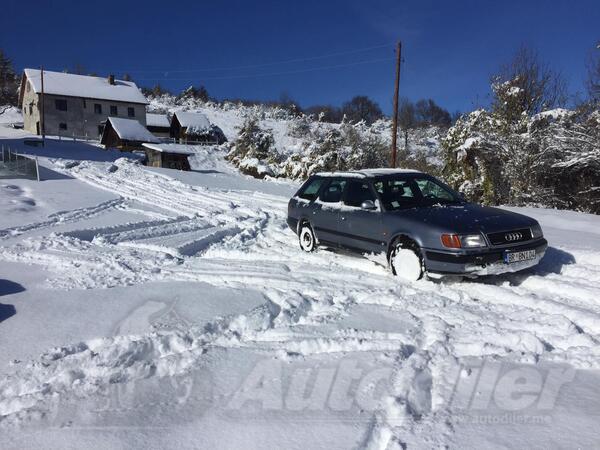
(368,205)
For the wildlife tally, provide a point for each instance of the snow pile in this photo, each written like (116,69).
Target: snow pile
(10,115)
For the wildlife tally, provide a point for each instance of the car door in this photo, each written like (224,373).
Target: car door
(361,229)
(325,215)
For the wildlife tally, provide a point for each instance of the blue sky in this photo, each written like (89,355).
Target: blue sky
(316,51)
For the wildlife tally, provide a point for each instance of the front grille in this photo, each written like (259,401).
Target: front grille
(510,237)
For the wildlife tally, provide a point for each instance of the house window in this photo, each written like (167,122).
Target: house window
(113,110)
(130,112)
(97,108)
(84,104)
(62,126)
(61,105)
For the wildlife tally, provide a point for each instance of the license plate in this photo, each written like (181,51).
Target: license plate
(513,257)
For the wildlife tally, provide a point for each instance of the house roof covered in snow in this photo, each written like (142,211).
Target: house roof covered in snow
(157,120)
(180,149)
(71,85)
(197,121)
(131,130)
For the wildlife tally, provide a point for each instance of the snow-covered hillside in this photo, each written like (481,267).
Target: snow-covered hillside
(151,308)
(300,142)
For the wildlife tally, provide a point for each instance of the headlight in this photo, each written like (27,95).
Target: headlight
(536,231)
(464,241)
(472,241)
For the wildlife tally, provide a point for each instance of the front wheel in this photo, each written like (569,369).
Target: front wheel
(308,243)
(406,261)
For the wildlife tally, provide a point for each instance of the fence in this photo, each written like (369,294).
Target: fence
(172,140)
(74,138)
(13,165)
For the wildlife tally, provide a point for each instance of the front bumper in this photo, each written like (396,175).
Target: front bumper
(482,262)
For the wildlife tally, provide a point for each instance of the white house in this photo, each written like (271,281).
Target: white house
(77,105)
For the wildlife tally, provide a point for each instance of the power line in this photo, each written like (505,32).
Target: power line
(249,66)
(288,72)
(256,66)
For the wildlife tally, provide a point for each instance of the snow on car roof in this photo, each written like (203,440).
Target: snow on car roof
(366,173)
(71,85)
(157,120)
(180,149)
(131,130)
(194,120)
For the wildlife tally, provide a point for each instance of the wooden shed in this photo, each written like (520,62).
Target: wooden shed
(158,124)
(169,156)
(193,127)
(125,134)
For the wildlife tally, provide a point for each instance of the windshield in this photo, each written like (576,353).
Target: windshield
(401,192)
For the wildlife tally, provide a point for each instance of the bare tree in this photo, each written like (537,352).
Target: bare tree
(533,84)
(406,119)
(325,113)
(428,112)
(593,77)
(360,108)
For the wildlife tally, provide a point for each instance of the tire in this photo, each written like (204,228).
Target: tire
(306,238)
(406,260)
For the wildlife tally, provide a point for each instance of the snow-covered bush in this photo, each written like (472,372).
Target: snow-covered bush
(253,151)
(211,134)
(551,158)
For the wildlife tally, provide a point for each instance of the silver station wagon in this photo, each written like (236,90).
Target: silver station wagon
(421,225)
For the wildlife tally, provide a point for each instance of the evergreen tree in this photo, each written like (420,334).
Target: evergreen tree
(9,82)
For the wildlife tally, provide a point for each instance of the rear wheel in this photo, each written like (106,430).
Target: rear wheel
(406,260)
(308,243)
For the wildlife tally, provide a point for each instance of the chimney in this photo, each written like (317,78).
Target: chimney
(111,79)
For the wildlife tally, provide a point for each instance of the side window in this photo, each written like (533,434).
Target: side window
(311,190)
(61,105)
(357,192)
(395,194)
(433,190)
(333,191)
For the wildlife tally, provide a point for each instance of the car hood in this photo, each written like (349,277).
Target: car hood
(467,218)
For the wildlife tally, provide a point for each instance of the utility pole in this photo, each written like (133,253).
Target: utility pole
(395,116)
(43,112)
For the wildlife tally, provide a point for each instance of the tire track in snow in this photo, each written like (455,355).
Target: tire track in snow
(505,319)
(63,217)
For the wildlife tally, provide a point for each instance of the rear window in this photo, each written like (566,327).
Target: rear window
(310,191)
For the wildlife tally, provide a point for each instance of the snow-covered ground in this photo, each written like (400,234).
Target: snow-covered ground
(150,308)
